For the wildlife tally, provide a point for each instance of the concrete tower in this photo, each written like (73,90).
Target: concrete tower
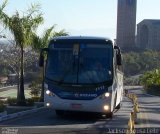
(126,24)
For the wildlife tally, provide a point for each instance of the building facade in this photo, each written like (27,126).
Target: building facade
(126,24)
(148,34)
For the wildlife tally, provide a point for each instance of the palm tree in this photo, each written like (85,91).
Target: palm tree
(22,27)
(42,42)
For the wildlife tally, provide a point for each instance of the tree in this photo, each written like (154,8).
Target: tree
(42,42)
(22,27)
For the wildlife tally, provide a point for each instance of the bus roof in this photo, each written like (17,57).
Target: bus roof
(80,38)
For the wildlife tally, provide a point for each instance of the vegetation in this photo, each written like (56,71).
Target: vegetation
(151,81)
(42,42)
(132,80)
(29,101)
(22,29)
(12,101)
(38,44)
(35,88)
(2,106)
(135,64)
(138,63)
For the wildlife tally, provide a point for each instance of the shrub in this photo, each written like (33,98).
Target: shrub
(12,101)
(2,106)
(35,88)
(36,99)
(151,81)
(29,102)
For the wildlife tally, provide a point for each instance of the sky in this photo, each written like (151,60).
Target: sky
(84,17)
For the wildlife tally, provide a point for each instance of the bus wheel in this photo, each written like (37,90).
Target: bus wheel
(59,112)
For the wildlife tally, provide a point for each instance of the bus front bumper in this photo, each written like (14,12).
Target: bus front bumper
(96,105)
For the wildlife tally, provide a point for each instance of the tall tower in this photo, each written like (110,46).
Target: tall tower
(126,24)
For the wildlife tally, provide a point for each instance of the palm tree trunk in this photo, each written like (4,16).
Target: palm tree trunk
(21,97)
(42,91)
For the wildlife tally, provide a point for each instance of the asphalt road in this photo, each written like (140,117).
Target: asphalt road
(149,105)
(45,121)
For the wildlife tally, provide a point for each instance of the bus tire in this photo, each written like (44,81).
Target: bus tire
(59,112)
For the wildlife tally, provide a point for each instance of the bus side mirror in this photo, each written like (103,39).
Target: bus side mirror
(118,55)
(119,59)
(41,58)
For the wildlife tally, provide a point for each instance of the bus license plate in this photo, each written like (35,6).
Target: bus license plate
(76,106)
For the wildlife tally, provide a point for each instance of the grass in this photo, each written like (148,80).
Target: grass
(13,93)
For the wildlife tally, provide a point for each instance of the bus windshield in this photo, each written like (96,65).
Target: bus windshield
(86,63)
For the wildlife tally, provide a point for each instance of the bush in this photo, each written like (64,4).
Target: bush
(2,106)
(29,102)
(35,89)
(151,81)
(36,99)
(12,101)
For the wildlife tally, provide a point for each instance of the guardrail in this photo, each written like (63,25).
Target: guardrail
(133,115)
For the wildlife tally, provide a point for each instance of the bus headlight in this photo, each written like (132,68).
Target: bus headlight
(106,107)
(107,94)
(48,104)
(48,92)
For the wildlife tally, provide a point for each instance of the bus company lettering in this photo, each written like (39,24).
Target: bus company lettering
(85,95)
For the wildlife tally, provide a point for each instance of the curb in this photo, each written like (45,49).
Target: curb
(18,114)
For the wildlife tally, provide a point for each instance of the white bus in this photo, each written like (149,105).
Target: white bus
(82,74)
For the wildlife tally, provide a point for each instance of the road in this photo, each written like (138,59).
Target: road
(149,115)
(46,121)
